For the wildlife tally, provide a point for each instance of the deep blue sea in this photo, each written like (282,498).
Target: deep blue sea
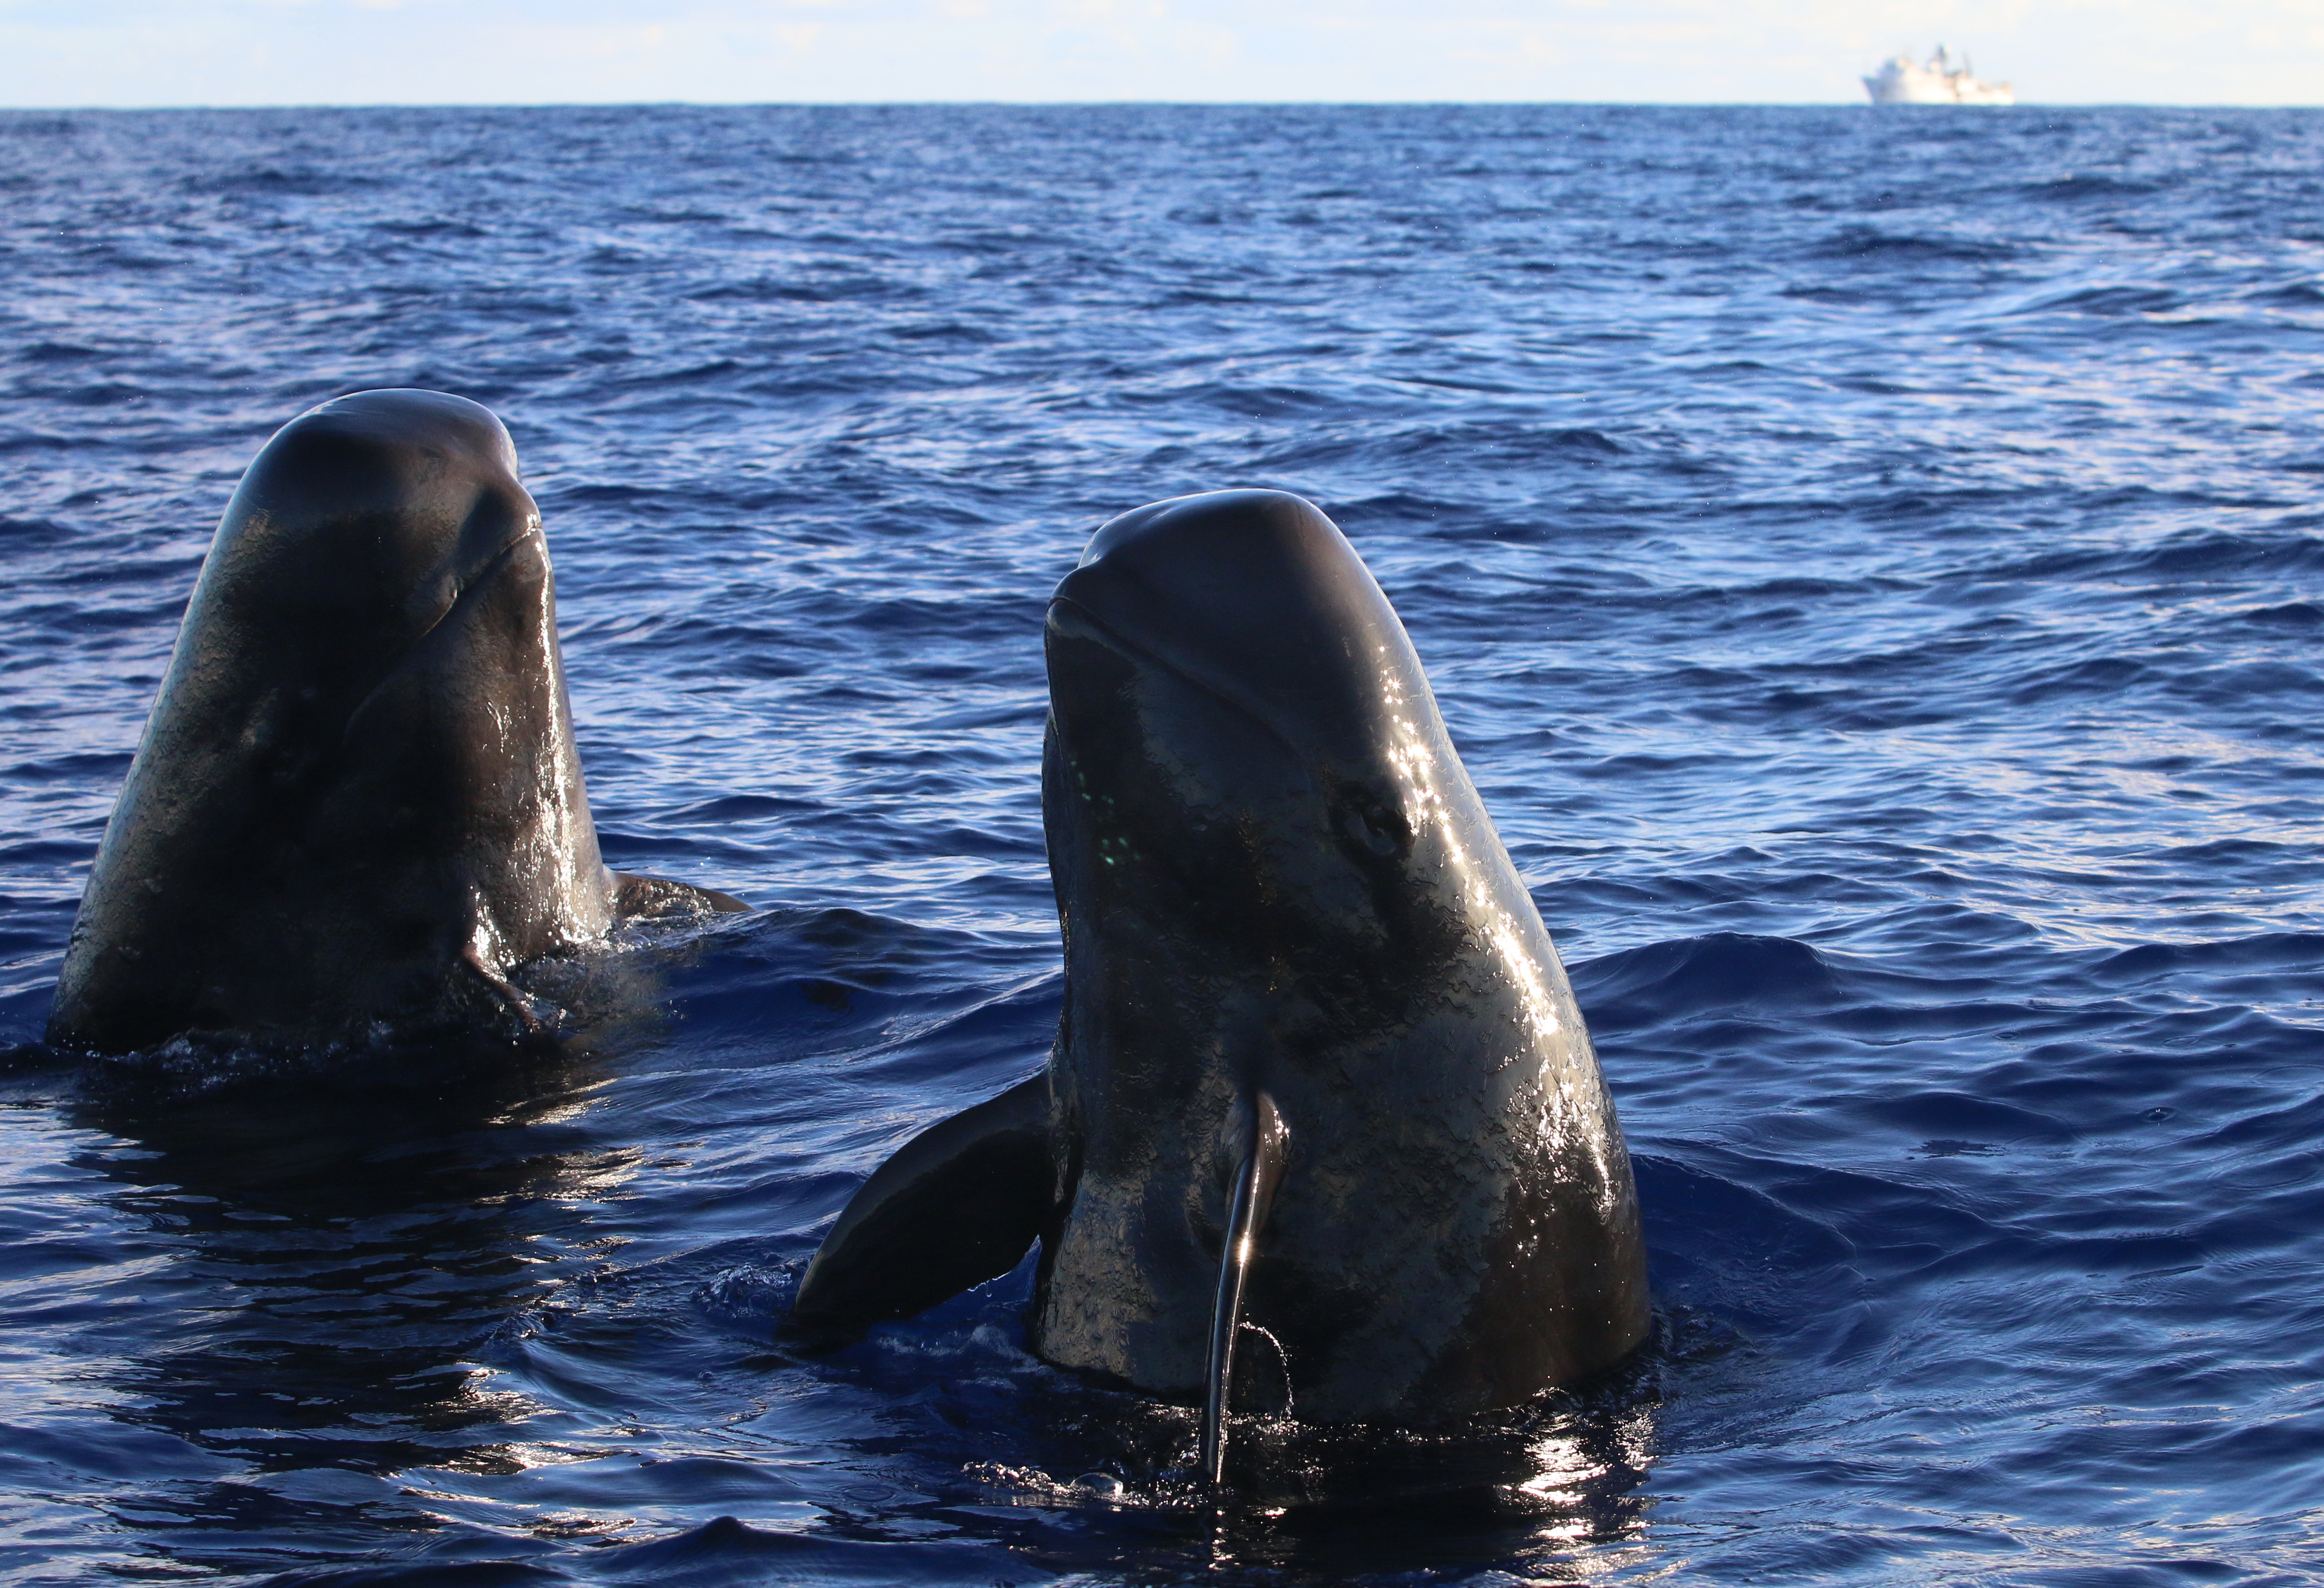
(1872,564)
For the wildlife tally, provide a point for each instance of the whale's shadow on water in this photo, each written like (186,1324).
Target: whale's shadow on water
(1076,1477)
(337,1230)
(1753,1295)
(360,1233)
(348,1231)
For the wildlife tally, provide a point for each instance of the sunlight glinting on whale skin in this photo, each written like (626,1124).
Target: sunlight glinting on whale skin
(1560,1114)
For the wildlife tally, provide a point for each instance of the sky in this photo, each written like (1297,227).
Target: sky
(176,52)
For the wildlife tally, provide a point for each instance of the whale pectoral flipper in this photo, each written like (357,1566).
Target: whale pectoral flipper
(958,1205)
(638,896)
(1254,1192)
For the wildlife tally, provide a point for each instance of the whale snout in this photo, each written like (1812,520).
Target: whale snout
(1258,600)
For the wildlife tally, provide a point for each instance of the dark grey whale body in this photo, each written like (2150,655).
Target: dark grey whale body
(357,799)
(1318,1070)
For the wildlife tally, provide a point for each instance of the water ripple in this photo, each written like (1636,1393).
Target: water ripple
(1871,565)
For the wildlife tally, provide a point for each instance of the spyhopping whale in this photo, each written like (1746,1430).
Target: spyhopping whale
(1319,1073)
(357,799)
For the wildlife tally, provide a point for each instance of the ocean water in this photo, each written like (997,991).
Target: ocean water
(1871,564)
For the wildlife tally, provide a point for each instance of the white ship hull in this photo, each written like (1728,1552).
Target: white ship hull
(1903,81)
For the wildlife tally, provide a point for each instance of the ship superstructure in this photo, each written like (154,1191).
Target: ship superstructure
(1903,81)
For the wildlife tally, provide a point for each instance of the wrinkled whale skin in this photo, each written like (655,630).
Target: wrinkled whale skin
(357,797)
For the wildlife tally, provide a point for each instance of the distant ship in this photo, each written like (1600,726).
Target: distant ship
(1940,82)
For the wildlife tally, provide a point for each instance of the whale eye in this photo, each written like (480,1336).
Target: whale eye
(1374,826)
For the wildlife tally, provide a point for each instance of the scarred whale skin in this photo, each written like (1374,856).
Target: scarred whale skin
(357,797)
(1279,892)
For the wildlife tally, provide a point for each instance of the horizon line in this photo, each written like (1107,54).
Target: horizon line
(1142,103)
